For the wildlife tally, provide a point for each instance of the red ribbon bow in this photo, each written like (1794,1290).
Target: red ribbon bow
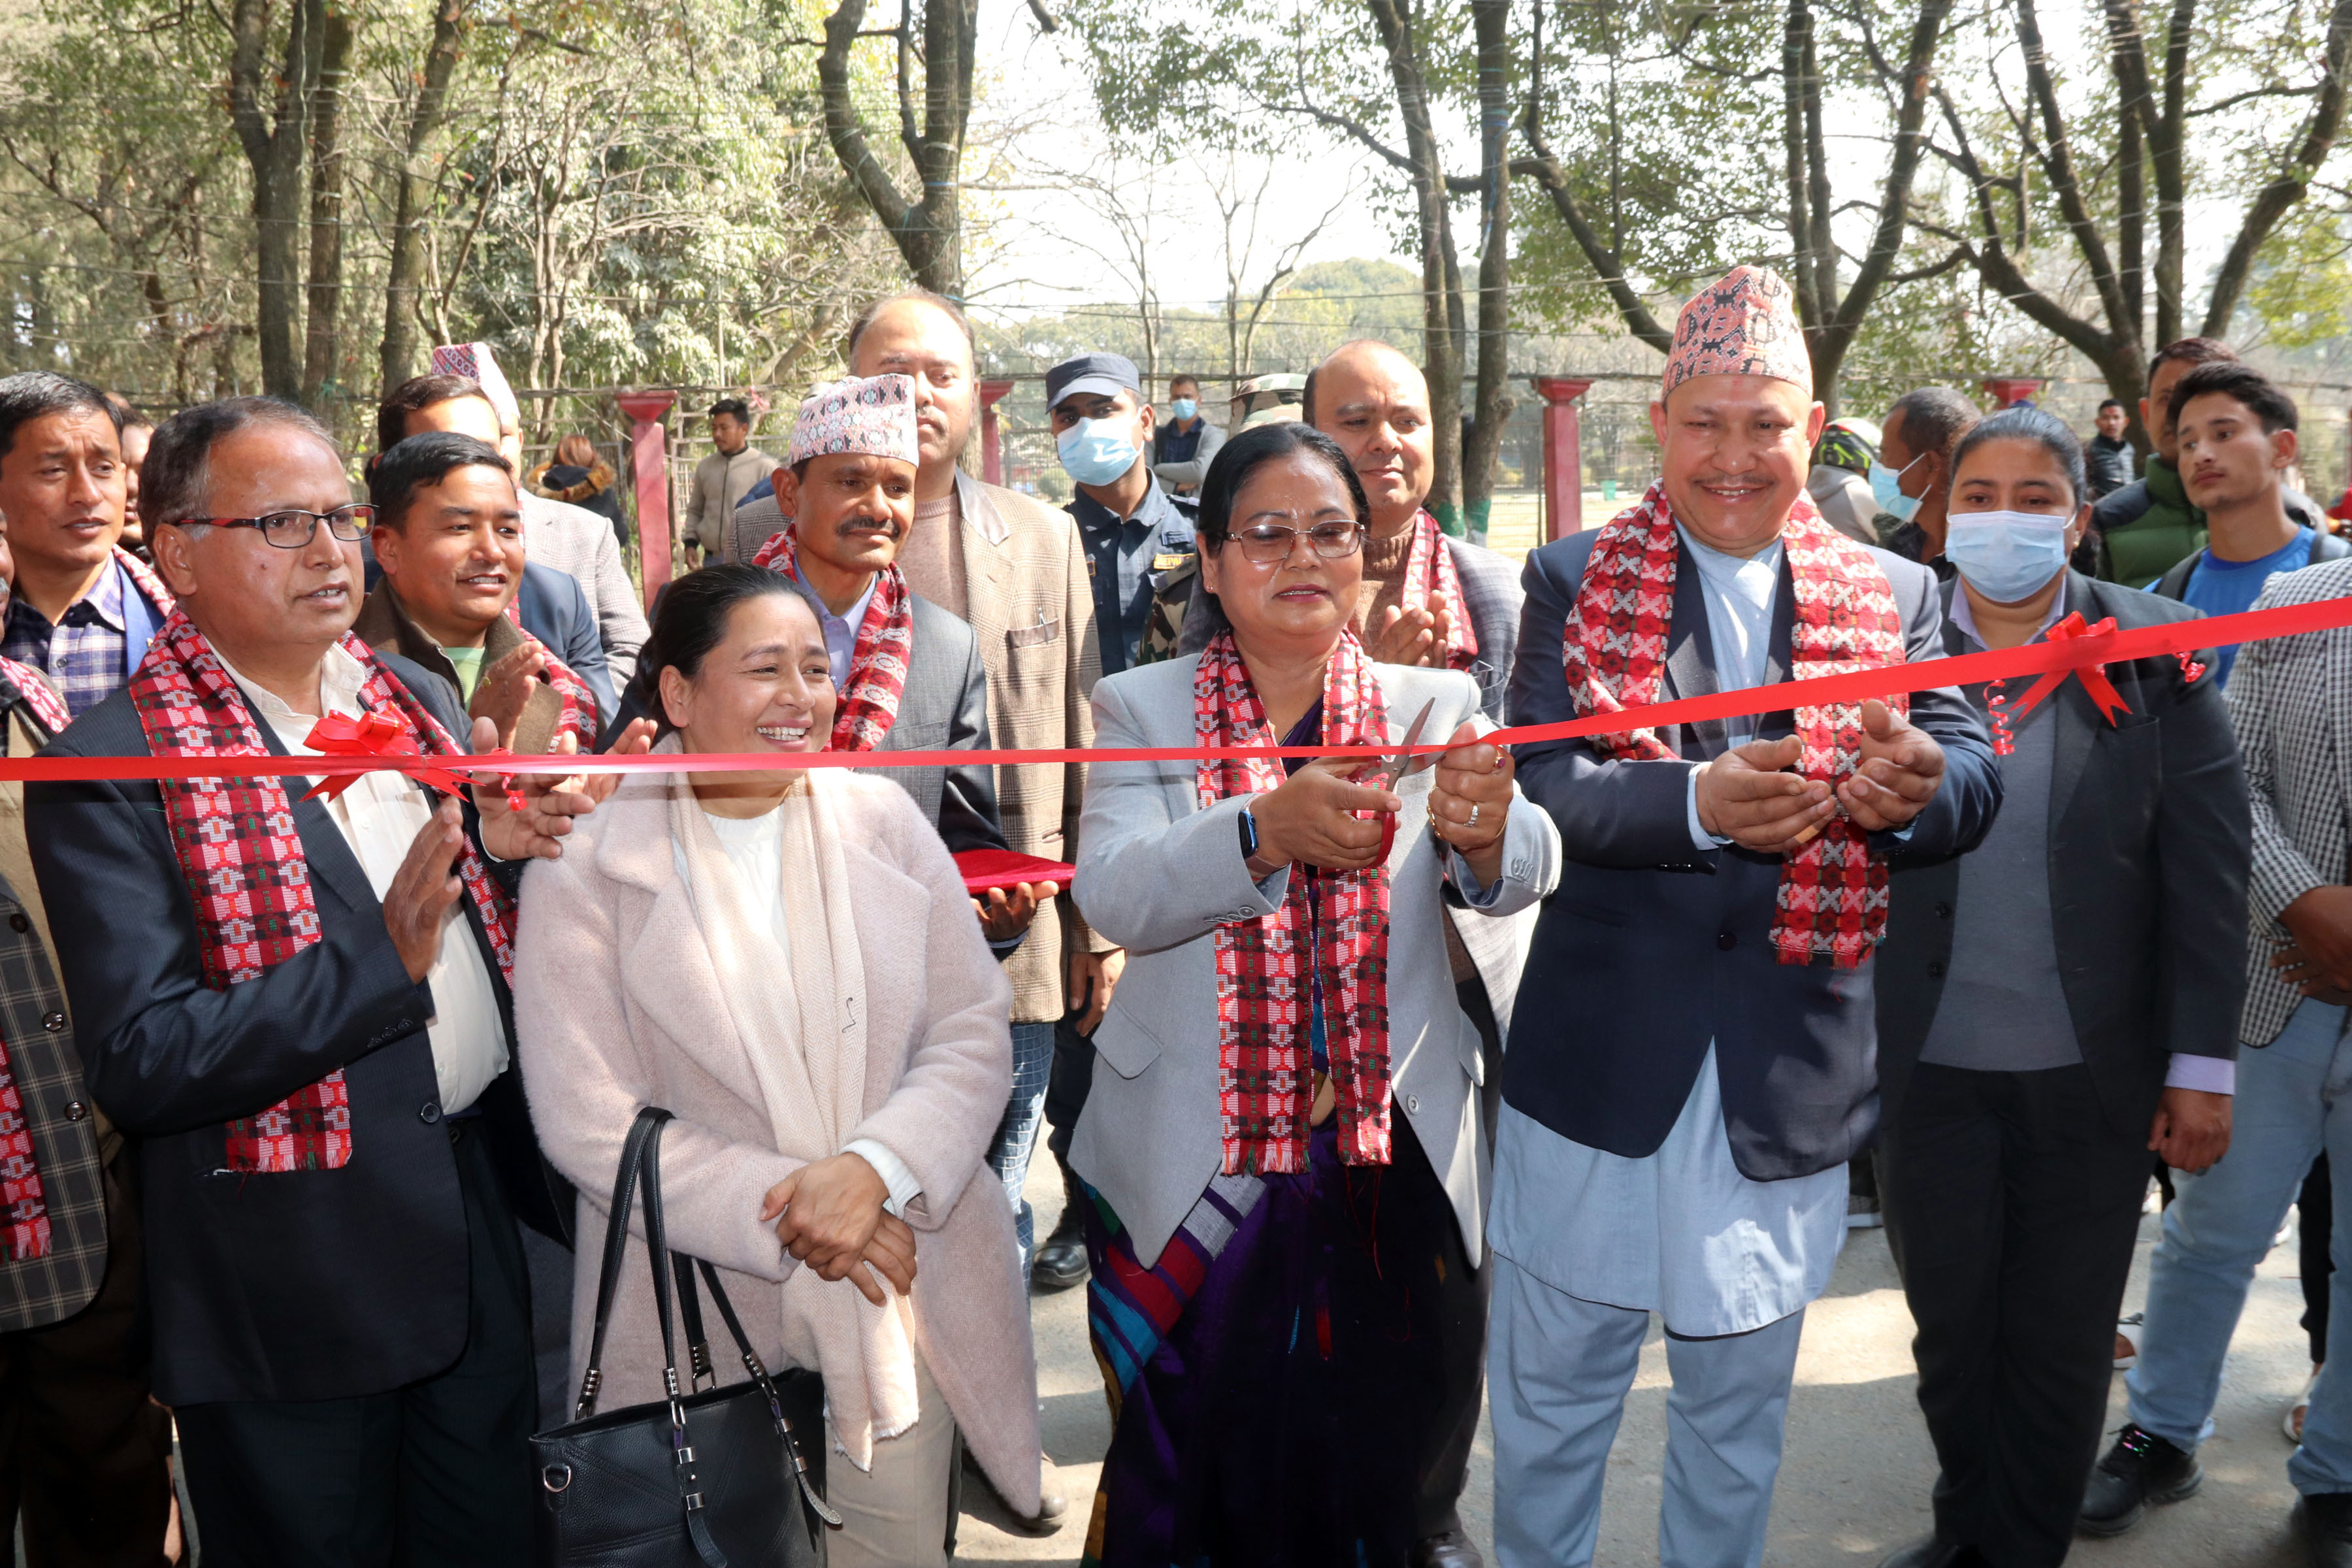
(2094,676)
(380,734)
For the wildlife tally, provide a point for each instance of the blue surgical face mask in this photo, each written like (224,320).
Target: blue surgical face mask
(1185,409)
(1098,451)
(1886,489)
(2006,555)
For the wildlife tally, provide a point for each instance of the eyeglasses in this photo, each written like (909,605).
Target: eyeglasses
(1267,543)
(293,529)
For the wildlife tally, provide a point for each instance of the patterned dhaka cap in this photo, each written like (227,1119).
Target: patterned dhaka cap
(873,414)
(1745,324)
(476,362)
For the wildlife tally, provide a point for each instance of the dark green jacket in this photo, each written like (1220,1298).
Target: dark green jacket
(2147,528)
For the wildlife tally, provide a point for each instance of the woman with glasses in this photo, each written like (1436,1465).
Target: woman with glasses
(1283,1157)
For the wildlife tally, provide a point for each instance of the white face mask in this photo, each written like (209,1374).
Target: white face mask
(2006,555)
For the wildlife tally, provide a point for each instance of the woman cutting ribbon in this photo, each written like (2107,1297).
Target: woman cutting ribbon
(2051,1006)
(1284,1156)
(786,960)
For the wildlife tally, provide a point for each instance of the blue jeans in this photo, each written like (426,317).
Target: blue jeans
(2295,1098)
(1016,1135)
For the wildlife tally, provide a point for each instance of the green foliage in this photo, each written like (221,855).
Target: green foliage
(624,194)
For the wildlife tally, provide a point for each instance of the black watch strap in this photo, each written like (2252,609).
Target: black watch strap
(1249,834)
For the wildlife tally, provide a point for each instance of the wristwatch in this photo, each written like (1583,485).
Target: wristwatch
(1249,834)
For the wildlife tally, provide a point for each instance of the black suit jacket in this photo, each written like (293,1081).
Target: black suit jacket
(1649,948)
(307,1285)
(2150,846)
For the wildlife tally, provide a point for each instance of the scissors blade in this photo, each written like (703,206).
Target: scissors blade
(1404,764)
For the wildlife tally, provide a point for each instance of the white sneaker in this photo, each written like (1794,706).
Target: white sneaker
(2292,1423)
(2128,1341)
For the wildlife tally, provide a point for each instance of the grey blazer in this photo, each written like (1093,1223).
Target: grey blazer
(1158,876)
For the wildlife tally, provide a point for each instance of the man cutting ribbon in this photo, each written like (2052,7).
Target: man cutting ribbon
(1686,1155)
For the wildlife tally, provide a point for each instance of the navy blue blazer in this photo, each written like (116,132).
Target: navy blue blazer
(1649,948)
(307,1285)
(556,610)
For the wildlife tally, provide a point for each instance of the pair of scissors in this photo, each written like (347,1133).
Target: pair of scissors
(1394,770)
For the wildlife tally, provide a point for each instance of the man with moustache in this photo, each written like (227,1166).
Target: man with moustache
(1016,569)
(1693,1069)
(448,535)
(310,1036)
(909,673)
(80,607)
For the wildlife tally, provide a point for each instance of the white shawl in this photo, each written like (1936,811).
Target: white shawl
(795,1008)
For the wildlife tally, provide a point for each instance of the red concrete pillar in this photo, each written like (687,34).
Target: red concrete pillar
(649,459)
(2007,391)
(991,437)
(1564,486)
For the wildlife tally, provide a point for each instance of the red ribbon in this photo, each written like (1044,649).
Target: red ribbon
(2168,640)
(2094,676)
(380,734)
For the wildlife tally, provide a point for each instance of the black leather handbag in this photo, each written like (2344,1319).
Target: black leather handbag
(708,1478)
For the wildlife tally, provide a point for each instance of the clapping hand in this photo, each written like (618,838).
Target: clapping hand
(1899,772)
(1409,634)
(548,803)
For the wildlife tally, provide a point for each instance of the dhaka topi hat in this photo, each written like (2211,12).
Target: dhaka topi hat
(874,415)
(1744,323)
(476,362)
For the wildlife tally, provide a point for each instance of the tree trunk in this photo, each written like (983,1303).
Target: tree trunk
(406,277)
(2168,143)
(1492,404)
(1443,324)
(326,289)
(271,127)
(2288,186)
(928,233)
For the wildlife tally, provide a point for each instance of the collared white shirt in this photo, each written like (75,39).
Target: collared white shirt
(380,817)
(841,630)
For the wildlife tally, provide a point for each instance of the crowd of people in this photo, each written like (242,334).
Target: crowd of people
(1409,1075)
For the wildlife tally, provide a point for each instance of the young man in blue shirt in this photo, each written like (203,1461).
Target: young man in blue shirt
(2237,439)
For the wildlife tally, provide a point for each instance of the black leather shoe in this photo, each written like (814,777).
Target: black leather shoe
(1451,1550)
(1934,1551)
(1061,1259)
(2325,1520)
(2140,1469)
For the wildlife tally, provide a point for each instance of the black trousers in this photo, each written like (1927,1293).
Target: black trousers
(85,1456)
(434,1473)
(2011,1206)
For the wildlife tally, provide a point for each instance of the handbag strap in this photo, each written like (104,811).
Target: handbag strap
(616,1236)
(689,1313)
(681,1448)
(759,1372)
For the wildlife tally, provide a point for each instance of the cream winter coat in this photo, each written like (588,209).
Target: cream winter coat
(618,1004)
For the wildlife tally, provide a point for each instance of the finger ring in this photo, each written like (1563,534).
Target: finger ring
(1474,815)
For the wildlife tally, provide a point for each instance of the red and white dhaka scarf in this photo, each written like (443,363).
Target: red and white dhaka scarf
(243,859)
(24,1203)
(1429,569)
(877,661)
(1265,970)
(1833,896)
(579,716)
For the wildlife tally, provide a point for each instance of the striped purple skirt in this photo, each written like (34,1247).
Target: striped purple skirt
(1276,1378)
